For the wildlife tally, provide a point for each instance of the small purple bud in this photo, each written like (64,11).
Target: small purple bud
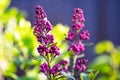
(78,11)
(63,62)
(57,53)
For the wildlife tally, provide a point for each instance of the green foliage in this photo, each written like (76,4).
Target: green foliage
(60,32)
(108,61)
(104,46)
(68,75)
(89,75)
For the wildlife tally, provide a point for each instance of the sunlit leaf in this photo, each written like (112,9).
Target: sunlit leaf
(10,69)
(60,31)
(3,5)
(104,46)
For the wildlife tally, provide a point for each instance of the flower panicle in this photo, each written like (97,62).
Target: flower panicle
(76,36)
(42,25)
(78,19)
(41,31)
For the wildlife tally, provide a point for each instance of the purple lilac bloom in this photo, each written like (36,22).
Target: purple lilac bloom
(41,31)
(46,40)
(55,50)
(44,67)
(81,65)
(63,62)
(78,23)
(49,39)
(84,35)
(76,47)
(76,37)
(55,69)
(42,25)
(41,49)
(78,19)
(64,65)
(40,14)
(71,36)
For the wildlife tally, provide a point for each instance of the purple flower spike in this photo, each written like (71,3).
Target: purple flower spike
(40,14)
(42,25)
(78,19)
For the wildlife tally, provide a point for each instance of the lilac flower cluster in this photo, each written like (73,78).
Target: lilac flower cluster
(55,50)
(47,48)
(41,31)
(57,68)
(78,19)
(42,27)
(84,35)
(44,68)
(76,47)
(80,65)
(76,38)
(71,36)
(78,24)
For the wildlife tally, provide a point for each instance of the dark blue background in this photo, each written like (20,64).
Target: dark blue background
(102,16)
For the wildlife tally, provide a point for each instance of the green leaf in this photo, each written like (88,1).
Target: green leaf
(11,69)
(60,31)
(84,76)
(4,4)
(104,46)
(68,75)
(90,75)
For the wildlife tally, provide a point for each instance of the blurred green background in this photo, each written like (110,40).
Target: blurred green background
(19,59)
